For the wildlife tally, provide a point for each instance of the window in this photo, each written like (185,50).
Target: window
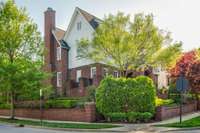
(58,53)
(93,72)
(116,74)
(105,72)
(79,26)
(78,75)
(59,79)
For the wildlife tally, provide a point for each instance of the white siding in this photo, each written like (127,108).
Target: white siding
(73,36)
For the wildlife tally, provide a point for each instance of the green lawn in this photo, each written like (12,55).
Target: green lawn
(194,122)
(59,125)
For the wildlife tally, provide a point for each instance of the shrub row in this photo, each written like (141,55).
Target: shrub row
(4,106)
(126,95)
(60,104)
(49,104)
(130,117)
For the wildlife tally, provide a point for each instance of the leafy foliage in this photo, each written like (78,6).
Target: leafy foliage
(184,63)
(129,45)
(193,75)
(21,51)
(125,95)
(5,106)
(161,102)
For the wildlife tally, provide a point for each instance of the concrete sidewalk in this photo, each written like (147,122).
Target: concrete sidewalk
(177,119)
(152,128)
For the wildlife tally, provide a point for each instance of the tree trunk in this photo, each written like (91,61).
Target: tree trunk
(12,109)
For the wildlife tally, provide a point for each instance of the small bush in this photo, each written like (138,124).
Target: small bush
(145,117)
(116,117)
(141,117)
(60,103)
(162,102)
(5,106)
(132,117)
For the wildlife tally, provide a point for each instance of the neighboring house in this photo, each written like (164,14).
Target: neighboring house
(71,75)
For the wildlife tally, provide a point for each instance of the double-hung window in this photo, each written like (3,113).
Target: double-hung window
(59,79)
(58,53)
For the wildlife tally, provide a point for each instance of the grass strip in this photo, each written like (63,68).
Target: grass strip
(58,125)
(191,123)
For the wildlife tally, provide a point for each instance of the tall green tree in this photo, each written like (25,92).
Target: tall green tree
(21,51)
(130,45)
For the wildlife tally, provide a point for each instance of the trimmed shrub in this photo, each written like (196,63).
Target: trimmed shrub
(145,117)
(126,95)
(116,117)
(132,116)
(137,116)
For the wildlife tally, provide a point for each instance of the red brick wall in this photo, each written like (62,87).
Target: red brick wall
(163,112)
(86,114)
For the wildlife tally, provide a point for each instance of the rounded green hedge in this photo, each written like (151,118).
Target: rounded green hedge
(126,95)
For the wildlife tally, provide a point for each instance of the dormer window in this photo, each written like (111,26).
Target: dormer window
(58,53)
(79,26)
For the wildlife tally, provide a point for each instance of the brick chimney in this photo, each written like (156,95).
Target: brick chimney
(49,25)
(50,47)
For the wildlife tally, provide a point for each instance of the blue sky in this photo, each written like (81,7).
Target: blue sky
(181,17)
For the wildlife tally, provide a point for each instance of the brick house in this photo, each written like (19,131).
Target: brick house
(71,76)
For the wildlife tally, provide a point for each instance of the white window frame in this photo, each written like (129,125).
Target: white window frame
(59,79)
(78,75)
(58,53)
(93,72)
(117,74)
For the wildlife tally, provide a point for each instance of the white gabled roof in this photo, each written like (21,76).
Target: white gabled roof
(91,19)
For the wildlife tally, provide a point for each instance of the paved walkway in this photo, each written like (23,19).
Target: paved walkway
(177,119)
(152,129)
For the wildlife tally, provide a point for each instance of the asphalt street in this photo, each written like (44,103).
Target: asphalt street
(12,129)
